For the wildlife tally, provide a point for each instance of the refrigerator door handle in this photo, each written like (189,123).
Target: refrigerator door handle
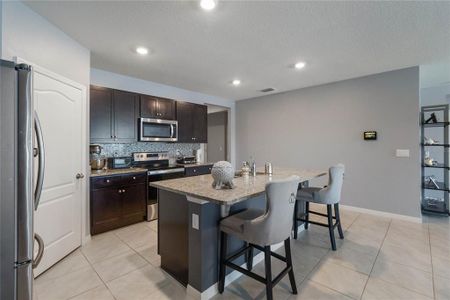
(40,253)
(40,152)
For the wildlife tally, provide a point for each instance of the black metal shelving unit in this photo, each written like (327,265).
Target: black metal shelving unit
(437,204)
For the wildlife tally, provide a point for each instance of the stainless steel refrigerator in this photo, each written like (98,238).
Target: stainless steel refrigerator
(21,178)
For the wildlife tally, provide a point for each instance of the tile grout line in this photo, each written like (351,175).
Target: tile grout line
(307,277)
(375,261)
(101,279)
(397,263)
(431,258)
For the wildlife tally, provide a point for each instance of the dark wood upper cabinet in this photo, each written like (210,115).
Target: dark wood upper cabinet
(101,114)
(200,123)
(113,115)
(157,108)
(192,122)
(125,115)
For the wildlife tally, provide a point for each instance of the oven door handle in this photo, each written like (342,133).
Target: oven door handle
(170,171)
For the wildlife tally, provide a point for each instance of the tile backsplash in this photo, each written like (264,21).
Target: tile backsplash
(110,150)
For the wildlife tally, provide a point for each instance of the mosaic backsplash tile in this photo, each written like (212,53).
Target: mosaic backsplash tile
(110,150)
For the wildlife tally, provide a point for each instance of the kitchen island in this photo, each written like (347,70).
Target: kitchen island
(188,228)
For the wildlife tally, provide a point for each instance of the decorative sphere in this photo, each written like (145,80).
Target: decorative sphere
(223,174)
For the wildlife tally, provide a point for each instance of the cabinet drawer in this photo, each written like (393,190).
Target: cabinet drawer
(103,182)
(118,180)
(200,170)
(134,178)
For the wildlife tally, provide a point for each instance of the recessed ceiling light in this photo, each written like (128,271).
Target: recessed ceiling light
(141,50)
(208,4)
(236,82)
(300,65)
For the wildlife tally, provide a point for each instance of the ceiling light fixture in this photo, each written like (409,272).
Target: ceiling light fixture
(208,4)
(141,50)
(300,65)
(236,82)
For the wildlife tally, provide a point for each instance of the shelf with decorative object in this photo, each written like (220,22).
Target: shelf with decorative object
(436,145)
(437,124)
(435,176)
(436,166)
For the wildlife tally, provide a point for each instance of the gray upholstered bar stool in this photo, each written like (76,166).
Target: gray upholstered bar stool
(260,229)
(330,195)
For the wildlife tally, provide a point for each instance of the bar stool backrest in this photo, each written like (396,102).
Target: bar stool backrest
(332,193)
(276,224)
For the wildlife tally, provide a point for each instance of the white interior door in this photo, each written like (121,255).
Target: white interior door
(58,103)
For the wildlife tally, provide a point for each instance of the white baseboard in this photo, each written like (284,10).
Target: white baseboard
(214,289)
(382,213)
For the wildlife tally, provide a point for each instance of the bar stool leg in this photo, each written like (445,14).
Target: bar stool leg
(295,223)
(250,258)
(287,248)
(268,268)
(306,215)
(330,226)
(338,220)
(222,266)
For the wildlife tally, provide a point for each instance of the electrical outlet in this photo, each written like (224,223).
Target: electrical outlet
(402,153)
(195,221)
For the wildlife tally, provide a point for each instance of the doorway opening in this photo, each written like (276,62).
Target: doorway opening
(217,148)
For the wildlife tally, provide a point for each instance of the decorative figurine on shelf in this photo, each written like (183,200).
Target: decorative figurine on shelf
(245,170)
(431,181)
(429,161)
(223,174)
(430,141)
(431,119)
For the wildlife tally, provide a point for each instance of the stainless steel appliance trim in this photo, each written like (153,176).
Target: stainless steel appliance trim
(41,161)
(152,212)
(167,171)
(142,138)
(40,253)
(25,201)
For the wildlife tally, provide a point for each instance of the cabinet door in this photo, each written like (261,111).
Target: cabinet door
(149,107)
(106,207)
(200,124)
(101,121)
(125,117)
(185,121)
(134,203)
(166,109)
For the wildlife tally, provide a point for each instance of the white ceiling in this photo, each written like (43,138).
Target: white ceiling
(256,41)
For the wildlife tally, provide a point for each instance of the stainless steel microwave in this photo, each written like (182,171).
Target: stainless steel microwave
(158,130)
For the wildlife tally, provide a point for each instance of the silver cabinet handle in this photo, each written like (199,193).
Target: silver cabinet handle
(107,181)
(40,152)
(123,191)
(134,177)
(79,176)
(40,253)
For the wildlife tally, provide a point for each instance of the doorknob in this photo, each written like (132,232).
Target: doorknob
(79,176)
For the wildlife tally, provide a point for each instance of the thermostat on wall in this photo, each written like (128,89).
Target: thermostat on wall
(370,135)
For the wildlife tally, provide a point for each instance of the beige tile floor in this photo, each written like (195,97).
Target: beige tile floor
(379,258)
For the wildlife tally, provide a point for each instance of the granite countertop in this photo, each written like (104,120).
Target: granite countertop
(107,172)
(200,187)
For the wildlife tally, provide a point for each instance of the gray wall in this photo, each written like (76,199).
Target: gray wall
(217,136)
(31,37)
(320,126)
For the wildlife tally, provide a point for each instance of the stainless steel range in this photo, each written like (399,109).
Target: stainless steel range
(157,164)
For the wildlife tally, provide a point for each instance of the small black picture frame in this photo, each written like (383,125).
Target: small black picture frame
(370,135)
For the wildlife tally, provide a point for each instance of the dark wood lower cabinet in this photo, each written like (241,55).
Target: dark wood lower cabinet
(117,201)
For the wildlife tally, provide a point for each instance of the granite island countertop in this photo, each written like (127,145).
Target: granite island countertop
(200,187)
(107,172)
